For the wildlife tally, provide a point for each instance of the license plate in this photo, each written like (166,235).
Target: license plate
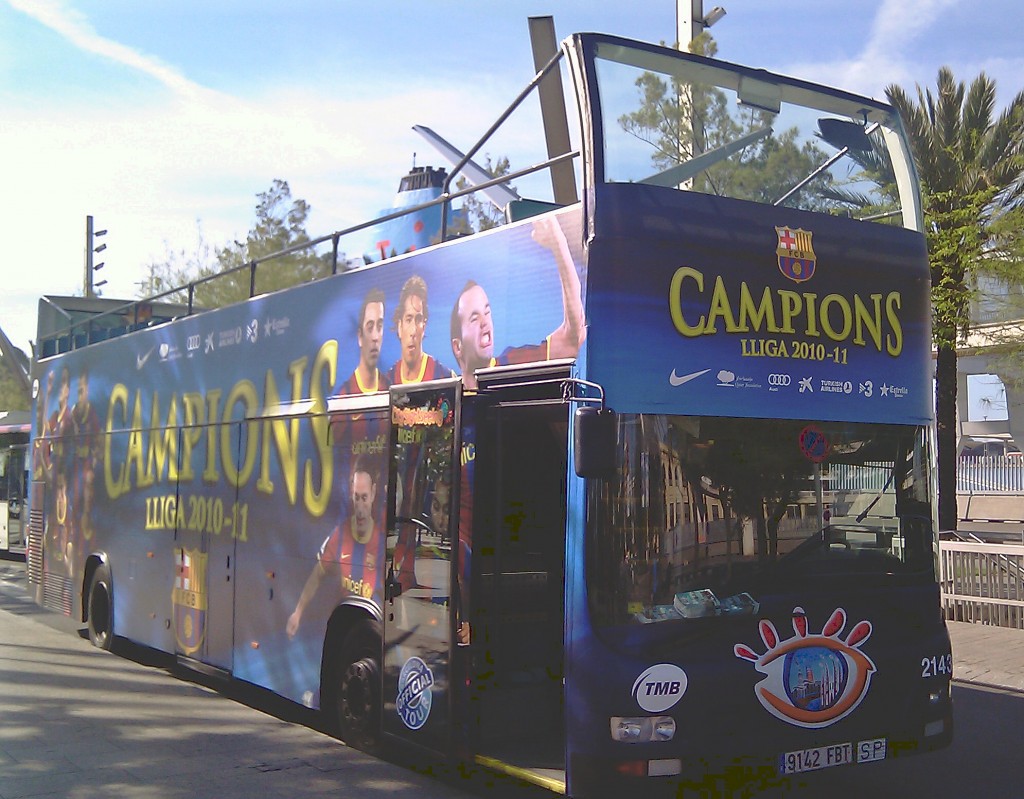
(840,754)
(817,758)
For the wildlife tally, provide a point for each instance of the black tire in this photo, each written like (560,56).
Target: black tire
(100,608)
(354,695)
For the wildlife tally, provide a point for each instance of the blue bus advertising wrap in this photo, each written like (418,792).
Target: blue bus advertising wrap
(210,445)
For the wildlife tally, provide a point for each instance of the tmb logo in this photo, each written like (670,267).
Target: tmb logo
(660,687)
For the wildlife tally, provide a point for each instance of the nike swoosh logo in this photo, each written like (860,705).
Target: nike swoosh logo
(140,360)
(677,380)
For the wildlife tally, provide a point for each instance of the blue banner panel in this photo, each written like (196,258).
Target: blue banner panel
(702,305)
(200,456)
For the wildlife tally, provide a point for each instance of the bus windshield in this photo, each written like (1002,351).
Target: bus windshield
(708,515)
(677,120)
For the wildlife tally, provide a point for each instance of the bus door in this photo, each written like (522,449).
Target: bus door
(519,539)
(421,597)
(204,553)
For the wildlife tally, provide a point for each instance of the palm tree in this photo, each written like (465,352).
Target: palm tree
(971,166)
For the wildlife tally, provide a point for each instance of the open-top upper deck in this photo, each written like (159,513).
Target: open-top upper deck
(614,112)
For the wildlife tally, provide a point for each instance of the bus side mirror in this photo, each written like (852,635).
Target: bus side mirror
(595,431)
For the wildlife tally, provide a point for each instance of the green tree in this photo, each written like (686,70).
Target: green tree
(681,121)
(178,268)
(971,165)
(1000,298)
(280,226)
(13,396)
(477,212)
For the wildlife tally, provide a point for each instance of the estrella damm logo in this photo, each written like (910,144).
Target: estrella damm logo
(189,599)
(796,255)
(811,681)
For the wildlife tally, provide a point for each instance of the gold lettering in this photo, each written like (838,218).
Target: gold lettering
(866,319)
(163,442)
(720,308)
(792,305)
(894,341)
(117,409)
(284,432)
(826,318)
(764,313)
(812,321)
(243,393)
(137,449)
(210,473)
(192,433)
(675,304)
(322,379)
(789,312)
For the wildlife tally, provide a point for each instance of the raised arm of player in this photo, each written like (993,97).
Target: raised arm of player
(566,339)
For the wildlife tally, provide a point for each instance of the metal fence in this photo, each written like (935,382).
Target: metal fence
(990,474)
(983,582)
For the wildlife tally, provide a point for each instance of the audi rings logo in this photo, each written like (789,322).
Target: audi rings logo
(779,380)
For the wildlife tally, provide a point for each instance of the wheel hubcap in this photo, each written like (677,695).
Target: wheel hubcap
(357,694)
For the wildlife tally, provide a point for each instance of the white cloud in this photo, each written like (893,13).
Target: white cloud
(904,47)
(148,171)
(75,28)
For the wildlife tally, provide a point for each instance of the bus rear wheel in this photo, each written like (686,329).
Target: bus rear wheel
(356,686)
(101,608)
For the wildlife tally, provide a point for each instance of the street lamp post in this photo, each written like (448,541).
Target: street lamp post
(90,250)
(690,23)
(691,20)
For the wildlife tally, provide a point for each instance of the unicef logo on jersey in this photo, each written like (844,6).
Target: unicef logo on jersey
(413,702)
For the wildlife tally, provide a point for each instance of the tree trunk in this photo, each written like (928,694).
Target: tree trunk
(946,435)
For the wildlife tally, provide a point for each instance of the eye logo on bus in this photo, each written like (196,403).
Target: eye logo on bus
(811,680)
(796,256)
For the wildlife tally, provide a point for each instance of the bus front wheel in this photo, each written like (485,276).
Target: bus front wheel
(101,608)
(356,689)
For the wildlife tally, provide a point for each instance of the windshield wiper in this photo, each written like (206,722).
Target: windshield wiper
(680,173)
(842,152)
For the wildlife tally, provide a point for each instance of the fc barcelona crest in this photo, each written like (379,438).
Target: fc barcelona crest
(189,599)
(796,256)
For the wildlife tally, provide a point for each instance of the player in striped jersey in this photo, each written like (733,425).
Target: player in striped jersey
(472,331)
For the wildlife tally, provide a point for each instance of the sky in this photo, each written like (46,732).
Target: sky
(163,120)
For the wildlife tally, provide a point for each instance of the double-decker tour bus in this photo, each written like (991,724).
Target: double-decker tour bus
(634,487)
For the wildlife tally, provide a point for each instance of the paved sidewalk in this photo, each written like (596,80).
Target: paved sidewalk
(79,722)
(985,655)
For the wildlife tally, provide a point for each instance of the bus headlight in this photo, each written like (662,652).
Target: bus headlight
(642,729)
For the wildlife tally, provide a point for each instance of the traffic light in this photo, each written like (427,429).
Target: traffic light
(91,249)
